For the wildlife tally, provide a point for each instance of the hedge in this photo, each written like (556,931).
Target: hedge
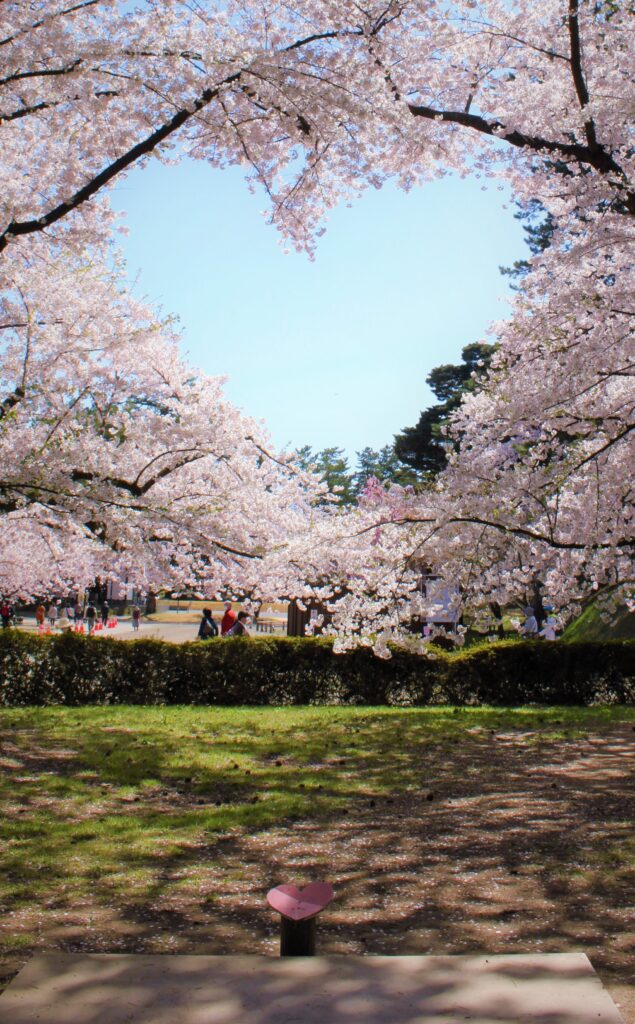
(72,669)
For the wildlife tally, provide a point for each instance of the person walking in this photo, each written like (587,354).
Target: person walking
(208,627)
(78,613)
(91,615)
(105,612)
(52,614)
(228,619)
(6,613)
(40,614)
(240,626)
(64,623)
(136,618)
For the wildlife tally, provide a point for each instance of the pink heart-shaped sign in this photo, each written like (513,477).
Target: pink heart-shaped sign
(300,904)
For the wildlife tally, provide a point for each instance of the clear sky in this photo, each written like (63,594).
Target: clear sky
(330,352)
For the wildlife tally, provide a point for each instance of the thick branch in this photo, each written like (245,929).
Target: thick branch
(593,155)
(576,70)
(42,73)
(26,111)
(50,17)
(515,531)
(599,159)
(16,228)
(133,487)
(96,527)
(143,148)
(520,531)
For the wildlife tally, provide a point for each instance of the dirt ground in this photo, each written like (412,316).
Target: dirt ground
(504,847)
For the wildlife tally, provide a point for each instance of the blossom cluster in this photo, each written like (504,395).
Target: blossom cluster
(118,458)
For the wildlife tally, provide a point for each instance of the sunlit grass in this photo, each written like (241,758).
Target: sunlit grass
(100,803)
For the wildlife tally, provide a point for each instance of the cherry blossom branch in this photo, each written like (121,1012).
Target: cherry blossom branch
(595,157)
(17,228)
(517,531)
(49,18)
(27,111)
(19,76)
(496,33)
(268,455)
(100,528)
(133,487)
(50,105)
(137,152)
(579,81)
(628,429)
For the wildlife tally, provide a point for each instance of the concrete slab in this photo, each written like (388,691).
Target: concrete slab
(559,988)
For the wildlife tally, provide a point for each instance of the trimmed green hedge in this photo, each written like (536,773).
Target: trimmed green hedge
(72,669)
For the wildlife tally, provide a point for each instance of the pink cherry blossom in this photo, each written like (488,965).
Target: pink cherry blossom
(118,458)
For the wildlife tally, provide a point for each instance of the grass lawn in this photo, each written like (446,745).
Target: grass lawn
(160,830)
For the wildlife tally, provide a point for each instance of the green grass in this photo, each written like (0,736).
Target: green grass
(593,625)
(160,829)
(98,795)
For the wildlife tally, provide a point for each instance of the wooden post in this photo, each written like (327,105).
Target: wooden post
(297,938)
(298,909)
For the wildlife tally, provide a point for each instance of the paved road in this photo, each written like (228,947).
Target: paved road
(174,632)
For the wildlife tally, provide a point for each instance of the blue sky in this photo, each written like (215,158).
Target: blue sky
(330,352)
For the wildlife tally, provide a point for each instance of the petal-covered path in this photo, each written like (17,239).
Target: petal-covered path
(510,838)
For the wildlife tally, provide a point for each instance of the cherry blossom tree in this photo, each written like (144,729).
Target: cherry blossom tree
(117,459)
(319,100)
(540,490)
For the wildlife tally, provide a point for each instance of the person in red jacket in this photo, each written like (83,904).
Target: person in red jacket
(228,619)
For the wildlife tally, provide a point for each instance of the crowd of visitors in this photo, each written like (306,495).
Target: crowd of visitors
(544,625)
(73,614)
(54,614)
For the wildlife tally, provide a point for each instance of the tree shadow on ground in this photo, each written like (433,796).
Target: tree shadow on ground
(472,841)
(265,990)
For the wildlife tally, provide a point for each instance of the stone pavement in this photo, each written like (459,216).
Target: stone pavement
(554,988)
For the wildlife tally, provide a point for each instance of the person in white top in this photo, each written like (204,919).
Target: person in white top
(548,631)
